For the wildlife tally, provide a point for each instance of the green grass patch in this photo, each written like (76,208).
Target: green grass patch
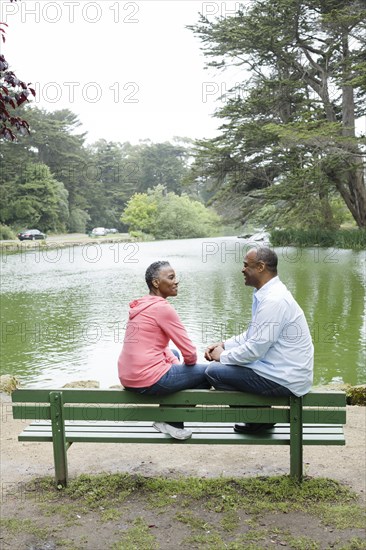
(254,540)
(343,238)
(208,541)
(18,526)
(302,543)
(220,494)
(112,514)
(230,520)
(342,516)
(138,537)
(193,521)
(354,544)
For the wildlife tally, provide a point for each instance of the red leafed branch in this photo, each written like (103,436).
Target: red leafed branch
(13,93)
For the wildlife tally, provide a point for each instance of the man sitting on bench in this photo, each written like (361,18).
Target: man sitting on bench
(274,356)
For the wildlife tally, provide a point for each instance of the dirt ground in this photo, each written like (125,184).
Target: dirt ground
(23,461)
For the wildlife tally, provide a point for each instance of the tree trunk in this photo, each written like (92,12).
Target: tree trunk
(352,186)
(347,172)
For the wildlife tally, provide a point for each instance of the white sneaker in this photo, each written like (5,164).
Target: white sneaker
(176,433)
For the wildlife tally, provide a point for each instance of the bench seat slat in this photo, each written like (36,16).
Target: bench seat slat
(220,434)
(200,439)
(205,439)
(147,426)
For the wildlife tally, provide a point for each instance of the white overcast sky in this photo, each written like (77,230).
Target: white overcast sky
(129,70)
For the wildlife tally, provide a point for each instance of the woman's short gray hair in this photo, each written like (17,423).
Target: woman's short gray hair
(153,271)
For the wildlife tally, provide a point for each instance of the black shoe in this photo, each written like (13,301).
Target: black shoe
(251,428)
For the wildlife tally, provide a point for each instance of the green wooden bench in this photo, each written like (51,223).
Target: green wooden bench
(66,416)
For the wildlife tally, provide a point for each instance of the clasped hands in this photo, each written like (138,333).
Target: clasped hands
(214,351)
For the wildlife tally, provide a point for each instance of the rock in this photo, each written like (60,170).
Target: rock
(8,383)
(356,395)
(82,384)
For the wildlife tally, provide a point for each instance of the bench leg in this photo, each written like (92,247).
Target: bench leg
(296,458)
(58,438)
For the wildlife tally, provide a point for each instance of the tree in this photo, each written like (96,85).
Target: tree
(161,164)
(99,178)
(35,198)
(54,140)
(13,93)
(124,169)
(303,93)
(182,217)
(113,182)
(78,221)
(140,213)
(169,216)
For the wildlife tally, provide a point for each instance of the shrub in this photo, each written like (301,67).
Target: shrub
(6,233)
(169,216)
(343,238)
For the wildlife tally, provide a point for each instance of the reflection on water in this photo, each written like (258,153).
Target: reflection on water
(63,311)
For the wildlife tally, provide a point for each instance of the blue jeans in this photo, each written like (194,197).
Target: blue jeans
(236,378)
(178,377)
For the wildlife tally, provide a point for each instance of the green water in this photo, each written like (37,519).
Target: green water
(63,311)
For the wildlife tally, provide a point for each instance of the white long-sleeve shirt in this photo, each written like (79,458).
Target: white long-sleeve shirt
(277,344)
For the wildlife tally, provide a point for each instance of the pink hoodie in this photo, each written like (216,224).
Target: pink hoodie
(145,355)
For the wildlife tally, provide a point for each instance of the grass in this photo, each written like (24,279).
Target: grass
(341,516)
(136,537)
(16,526)
(343,238)
(116,487)
(328,499)
(220,513)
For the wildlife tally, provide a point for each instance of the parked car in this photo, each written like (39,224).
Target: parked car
(113,230)
(99,232)
(31,235)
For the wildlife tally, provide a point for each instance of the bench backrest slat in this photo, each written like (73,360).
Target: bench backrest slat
(204,397)
(186,397)
(324,399)
(122,412)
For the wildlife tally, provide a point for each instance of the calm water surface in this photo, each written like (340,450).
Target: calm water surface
(63,311)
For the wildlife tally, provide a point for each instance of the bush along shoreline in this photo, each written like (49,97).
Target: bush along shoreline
(354,239)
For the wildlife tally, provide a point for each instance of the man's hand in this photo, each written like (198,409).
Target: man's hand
(216,353)
(210,350)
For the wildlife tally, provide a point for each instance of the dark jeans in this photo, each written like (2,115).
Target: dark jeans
(235,378)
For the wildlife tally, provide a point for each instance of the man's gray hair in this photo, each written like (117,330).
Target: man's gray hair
(268,257)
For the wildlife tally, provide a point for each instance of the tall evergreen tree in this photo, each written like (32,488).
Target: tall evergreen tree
(296,108)
(35,199)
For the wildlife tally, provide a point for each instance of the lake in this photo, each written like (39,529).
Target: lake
(63,310)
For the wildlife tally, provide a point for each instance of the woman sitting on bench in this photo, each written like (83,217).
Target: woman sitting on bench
(146,365)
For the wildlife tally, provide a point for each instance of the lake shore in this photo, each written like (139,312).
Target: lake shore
(62,241)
